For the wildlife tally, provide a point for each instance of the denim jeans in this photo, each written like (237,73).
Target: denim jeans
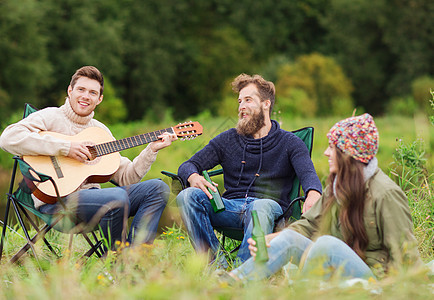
(199,218)
(145,201)
(290,246)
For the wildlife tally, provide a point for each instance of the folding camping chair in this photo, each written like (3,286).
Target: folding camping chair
(292,213)
(23,206)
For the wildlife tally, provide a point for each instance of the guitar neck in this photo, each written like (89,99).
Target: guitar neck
(126,143)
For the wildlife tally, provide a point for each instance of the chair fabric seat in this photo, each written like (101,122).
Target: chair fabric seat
(65,225)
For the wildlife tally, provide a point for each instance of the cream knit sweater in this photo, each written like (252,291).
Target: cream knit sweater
(22,138)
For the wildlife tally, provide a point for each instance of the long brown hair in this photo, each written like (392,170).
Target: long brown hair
(350,189)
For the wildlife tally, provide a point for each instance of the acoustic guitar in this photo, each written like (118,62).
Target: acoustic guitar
(69,174)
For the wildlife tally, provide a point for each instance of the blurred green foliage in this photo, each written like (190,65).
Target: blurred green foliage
(420,89)
(112,109)
(181,54)
(404,106)
(314,85)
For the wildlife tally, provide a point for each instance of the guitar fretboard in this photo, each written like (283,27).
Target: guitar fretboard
(126,143)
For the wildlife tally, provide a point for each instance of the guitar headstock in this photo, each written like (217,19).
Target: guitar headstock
(188,130)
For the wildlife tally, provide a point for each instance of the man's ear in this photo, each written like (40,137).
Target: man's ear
(69,90)
(267,104)
(100,99)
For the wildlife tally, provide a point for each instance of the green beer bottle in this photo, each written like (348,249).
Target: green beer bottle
(216,201)
(259,237)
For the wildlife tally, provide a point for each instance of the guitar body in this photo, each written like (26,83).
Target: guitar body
(71,173)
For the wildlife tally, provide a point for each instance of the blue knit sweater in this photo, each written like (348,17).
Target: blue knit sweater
(276,158)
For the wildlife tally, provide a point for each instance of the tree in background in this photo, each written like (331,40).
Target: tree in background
(280,27)
(176,55)
(314,85)
(81,33)
(355,39)
(382,45)
(407,27)
(420,90)
(152,41)
(113,109)
(24,65)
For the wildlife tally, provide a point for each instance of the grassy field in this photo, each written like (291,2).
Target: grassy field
(171,270)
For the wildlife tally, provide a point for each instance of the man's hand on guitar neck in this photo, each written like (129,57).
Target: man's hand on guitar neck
(165,140)
(79,151)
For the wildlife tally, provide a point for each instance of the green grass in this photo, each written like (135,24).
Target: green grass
(171,270)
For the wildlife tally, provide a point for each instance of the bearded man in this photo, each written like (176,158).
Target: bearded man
(259,162)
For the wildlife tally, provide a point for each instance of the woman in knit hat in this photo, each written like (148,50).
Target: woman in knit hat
(361,227)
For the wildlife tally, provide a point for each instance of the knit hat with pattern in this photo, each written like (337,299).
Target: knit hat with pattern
(356,136)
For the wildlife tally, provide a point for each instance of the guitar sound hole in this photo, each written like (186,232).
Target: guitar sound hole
(95,159)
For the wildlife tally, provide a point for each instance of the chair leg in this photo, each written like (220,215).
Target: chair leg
(100,248)
(36,227)
(5,224)
(11,187)
(236,248)
(93,250)
(26,233)
(71,237)
(93,247)
(40,234)
(32,241)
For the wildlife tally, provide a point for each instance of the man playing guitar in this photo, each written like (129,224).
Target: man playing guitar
(145,201)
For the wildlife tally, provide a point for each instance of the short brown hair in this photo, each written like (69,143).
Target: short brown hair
(89,72)
(265,88)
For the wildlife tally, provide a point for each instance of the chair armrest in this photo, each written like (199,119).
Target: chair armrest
(288,212)
(174,177)
(215,172)
(114,183)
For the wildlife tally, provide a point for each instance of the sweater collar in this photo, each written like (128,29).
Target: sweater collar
(73,116)
(255,145)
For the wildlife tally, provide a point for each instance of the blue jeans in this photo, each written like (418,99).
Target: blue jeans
(200,219)
(111,207)
(290,246)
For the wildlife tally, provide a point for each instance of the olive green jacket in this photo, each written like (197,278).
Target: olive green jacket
(387,221)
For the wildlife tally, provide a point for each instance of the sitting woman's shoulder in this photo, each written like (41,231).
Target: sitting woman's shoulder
(381,186)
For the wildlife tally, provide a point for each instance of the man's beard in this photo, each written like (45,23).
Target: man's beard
(250,127)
